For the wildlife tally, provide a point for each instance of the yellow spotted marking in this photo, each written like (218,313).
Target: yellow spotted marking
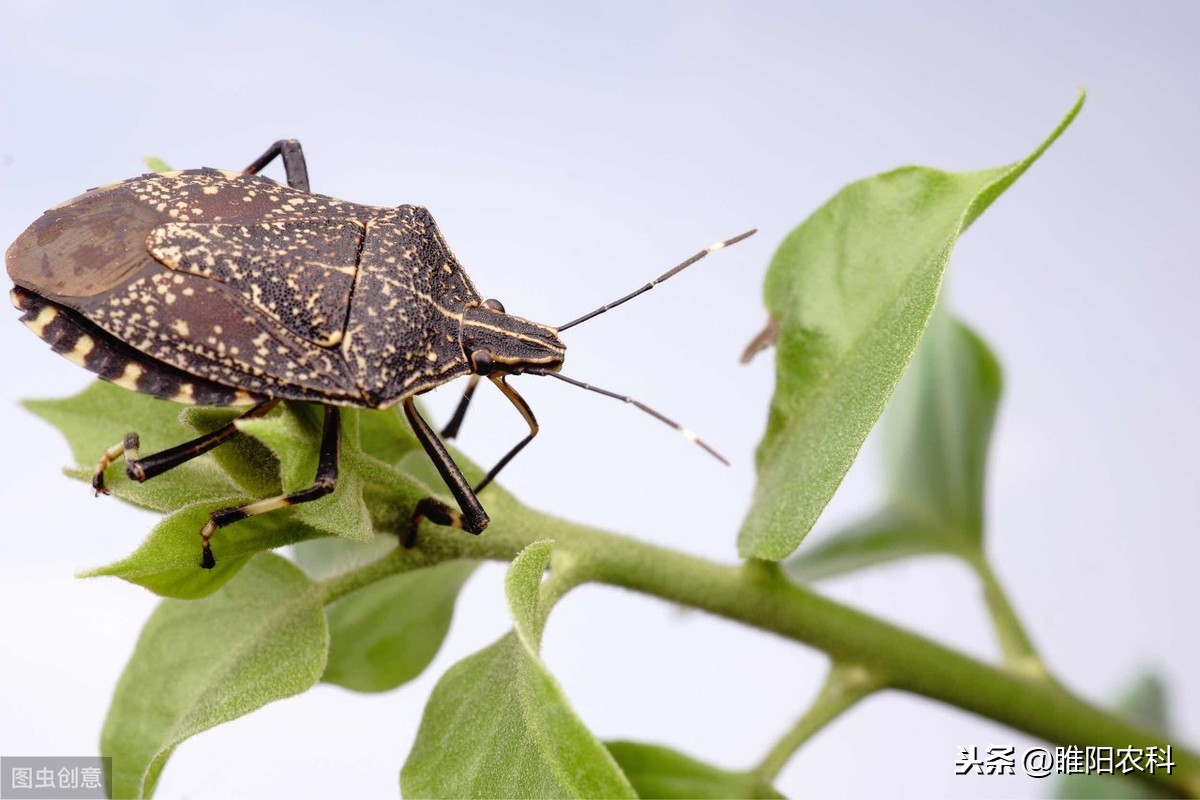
(346,269)
(130,377)
(230,175)
(432,356)
(175,173)
(180,326)
(185,394)
(45,317)
(211,189)
(242,398)
(78,353)
(330,340)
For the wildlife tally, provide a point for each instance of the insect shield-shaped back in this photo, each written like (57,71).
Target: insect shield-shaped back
(494,341)
(211,282)
(225,288)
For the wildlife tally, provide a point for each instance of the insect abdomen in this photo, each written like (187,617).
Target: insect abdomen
(82,343)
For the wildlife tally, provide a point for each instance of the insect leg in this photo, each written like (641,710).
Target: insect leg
(451,429)
(294,165)
(141,469)
(527,413)
(324,483)
(473,518)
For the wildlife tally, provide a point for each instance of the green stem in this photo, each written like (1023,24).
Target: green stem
(1015,644)
(844,686)
(757,594)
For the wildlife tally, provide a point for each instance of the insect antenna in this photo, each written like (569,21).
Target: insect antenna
(687,434)
(669,273)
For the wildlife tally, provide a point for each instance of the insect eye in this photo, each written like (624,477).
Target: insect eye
(482,360)
(493,305)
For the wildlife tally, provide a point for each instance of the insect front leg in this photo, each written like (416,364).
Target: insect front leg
(324,483)
(472,518)
(294,165)
(455,423)
(527,414)
(141,469)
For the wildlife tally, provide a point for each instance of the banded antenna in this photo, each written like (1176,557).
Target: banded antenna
(673,271)
(687,434)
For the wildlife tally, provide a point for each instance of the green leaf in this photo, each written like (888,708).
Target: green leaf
(280,453)
(1145,702)
(156,164)
(386,634)
(248,463)
(886,536)
(101,415)
(167,562)
(294,436)
(851,290)
(498,724)
(201,663)
(938,428)
(660,772)
(386,435)
(936,434)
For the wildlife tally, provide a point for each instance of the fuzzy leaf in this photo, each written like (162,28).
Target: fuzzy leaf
(936,434)
(851,290)
(295,438)
(101,415)
(248,463)
(938,428)
(386,634)
(498,724)
(167,562)
(386,435)
(374,489)
(889,535)
(201,663)
(661,772)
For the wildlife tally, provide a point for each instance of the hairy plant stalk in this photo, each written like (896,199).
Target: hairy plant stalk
(757,594)
(844,686)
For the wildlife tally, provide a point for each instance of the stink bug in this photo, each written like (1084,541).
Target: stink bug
(227,288)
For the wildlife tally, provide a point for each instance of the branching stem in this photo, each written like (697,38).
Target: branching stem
(1019,652)
(844,686)
(759,595)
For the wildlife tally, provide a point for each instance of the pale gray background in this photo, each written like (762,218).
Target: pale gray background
(571,151)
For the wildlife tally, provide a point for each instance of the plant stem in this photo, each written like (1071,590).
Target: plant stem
(844,686)
(904,660)
(758,594)
(1018,649)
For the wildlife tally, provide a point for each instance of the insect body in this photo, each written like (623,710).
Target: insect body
(226,288)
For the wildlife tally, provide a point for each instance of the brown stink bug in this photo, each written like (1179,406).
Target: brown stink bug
(226,288)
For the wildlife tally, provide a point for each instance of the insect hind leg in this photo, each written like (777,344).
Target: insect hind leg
(142,469)
(324,483)
(294,165)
